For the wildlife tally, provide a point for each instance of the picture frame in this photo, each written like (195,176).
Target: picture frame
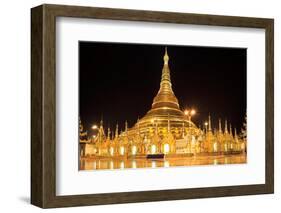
(43,105)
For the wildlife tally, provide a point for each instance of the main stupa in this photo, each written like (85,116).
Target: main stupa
(165,113)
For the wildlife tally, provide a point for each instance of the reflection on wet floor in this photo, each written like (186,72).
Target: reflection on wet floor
(99,164)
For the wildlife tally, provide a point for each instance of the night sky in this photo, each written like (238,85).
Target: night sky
(117,82)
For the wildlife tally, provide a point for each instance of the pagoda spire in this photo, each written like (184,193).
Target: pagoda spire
(126,126)
(108,133)
(220,130)
(210,128)
(116,131)
(165,96)
(230,129)
(225,127)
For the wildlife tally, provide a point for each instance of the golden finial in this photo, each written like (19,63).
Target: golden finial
(220,130)
(166,56)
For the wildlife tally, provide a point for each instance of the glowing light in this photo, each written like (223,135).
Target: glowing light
(186,112)
(215,161)
(94,127)
(193,112)
(166,163)
(134,164)
(153,149)
(225,147)
(111,164)
(122,165)
(134,150)
(153,164)
(111,150)
(206,123)
(215,146)
(94,136)
(122,150)
(166,148)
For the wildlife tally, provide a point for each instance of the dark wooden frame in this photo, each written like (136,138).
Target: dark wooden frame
(43,105)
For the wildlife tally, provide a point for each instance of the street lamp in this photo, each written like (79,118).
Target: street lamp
(206,125)
(94,127)
(189,114)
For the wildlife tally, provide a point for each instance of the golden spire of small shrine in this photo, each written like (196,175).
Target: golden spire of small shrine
(225,127)
(210,128)
(108,133)
(116,131)
(220,130)
(126,126)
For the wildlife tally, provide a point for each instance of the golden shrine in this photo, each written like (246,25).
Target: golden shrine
(165,130)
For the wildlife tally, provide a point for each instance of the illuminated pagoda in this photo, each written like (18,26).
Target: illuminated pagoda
(165,129)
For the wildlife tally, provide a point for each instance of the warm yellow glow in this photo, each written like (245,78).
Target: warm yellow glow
(94,127)
(215,161)
(153,149)
(134,164)
(166,130)
(225,147)
(166,163)
(166,148)
(122,165)
(134,150)
(193,112)
(215,146)
(111,164)
(111,150)
(122,150)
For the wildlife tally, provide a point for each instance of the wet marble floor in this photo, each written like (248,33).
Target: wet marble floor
(114,163)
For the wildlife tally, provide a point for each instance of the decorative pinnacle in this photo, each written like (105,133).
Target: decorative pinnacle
(108,133)
(116,131)
(209,123)
(225,127)
(126,126)
(220,130)
(166,57)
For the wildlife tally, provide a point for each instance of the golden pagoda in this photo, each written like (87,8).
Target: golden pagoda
(165,108)
(165,129)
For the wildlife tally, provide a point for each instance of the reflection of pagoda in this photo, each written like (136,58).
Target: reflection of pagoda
(165,129)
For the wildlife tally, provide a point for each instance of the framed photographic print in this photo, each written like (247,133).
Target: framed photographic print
(137,106)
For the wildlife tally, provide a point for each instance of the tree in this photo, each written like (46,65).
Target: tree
(244,129)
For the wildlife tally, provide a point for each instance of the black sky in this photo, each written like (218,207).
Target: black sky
(118,81)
